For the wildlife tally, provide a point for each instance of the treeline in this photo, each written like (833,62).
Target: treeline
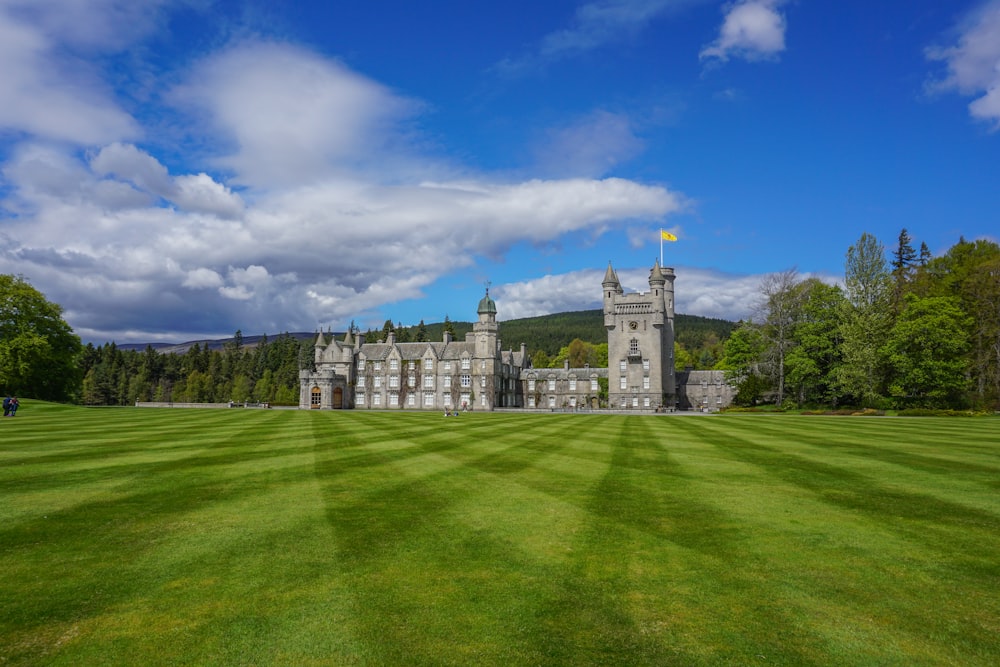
(267,372)
(906,330)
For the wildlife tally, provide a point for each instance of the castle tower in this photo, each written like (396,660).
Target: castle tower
(640,342)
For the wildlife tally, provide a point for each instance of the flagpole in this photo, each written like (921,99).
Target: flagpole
(661,246)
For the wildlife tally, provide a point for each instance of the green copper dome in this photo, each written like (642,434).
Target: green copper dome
(487,305)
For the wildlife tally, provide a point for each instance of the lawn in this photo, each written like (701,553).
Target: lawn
(283,537)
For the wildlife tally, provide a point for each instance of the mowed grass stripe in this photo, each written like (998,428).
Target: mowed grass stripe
(305,537)
(889,558)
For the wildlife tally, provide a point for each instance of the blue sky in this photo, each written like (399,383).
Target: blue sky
(181,169)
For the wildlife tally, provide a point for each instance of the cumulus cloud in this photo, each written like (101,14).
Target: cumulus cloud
(49,84)
(973,62)
(751,29)
(283,115)
(703,292)
(697,291)
(317,212)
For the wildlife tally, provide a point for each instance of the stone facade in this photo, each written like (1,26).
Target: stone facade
(477,374)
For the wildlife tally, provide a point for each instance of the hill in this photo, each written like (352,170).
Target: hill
(544,332)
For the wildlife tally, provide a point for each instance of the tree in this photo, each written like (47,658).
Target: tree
(421,336)
(812,363)
(904,259)
(781,304)
(741,361)
(926,351)
(866,321)
(39,351)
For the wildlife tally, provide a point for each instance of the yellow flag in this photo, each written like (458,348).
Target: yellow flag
(667,236)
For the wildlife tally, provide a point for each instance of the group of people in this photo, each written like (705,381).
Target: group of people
(10,405)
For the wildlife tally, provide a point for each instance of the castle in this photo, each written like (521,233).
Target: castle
(477,374)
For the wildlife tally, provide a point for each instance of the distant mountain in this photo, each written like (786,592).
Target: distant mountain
(545,332)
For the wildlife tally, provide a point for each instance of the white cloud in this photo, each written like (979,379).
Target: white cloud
(343,214)
(973,62)
(701,292)
(697,291)
(50,83)
(752,29)
(284,115)
(589,146)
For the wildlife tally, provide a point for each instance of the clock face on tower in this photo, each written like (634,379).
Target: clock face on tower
(633,325)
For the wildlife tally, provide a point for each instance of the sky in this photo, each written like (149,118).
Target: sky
(172,170)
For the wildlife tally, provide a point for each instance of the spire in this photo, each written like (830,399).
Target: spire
(610,277)
(656,275)
(349,338)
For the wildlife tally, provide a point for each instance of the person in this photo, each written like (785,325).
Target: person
(14,405)
(6,406)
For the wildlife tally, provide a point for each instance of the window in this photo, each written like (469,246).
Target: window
(411,381)
(482,380)
(645,382)
(361,364)
(428,365)
(621,366)
(428,382)
(552,401)
(394,382)
(531,384)
(428,400)
(623,382)
(465,398)
(378,366)
(645,402)
(447,367)
(645,364)
(361,398)
(377,399)
(531,401)
(466,380)
(633,347)
(572,401)
(447,381)
(412,365)
(314,398)
(378,381)
(466,364)
(393,399)
(552,384)
(594,386)
(446,398)
(635,401)
(394,364)
(572,384)
(361,380)
(411,399)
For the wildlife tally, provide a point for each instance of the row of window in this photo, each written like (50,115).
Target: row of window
(551,382)
(464,380)
(428,364)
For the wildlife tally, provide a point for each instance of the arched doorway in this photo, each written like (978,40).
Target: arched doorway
(338,398)
(315,398)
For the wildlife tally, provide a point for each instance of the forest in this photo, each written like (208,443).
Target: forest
(266,370)
(906,330)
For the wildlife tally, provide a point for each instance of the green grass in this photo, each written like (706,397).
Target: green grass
(155,537)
